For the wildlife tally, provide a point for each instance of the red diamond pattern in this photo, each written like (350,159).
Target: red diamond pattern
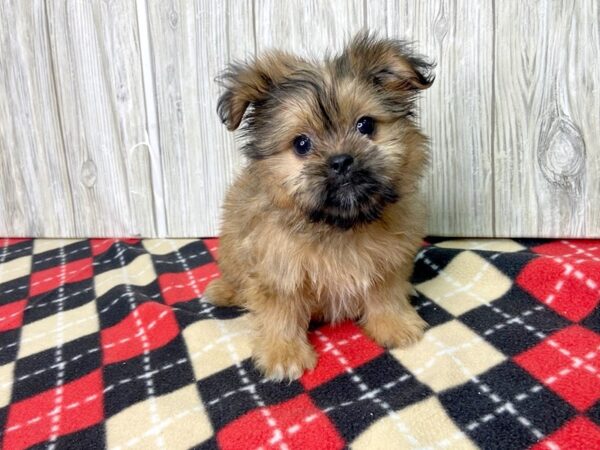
(568,363)
(579,434)
(339,347)
(149,326)
(294,424)
(184,286)
(568,285)
(112,371)
(59,411)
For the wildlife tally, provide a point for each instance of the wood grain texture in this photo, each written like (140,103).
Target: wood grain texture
(192,43)
(108,125)
(95,52)
(35,191)
(547,118)
(456,111)
(309,28)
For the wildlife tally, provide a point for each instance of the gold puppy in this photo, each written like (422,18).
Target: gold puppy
(324,220)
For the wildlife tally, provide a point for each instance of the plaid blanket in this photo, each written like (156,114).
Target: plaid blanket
(107,343)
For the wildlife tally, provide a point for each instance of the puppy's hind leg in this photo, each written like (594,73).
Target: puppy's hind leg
(220,293)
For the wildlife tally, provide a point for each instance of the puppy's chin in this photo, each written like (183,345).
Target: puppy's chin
(353,201)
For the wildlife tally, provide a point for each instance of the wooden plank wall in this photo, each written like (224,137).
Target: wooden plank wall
(456,112)
(108,123)
(72,121)
(547,118)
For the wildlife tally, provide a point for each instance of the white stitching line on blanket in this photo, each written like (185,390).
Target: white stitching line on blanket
(576,362)
(95,263)
(520,394)
(41,305)
(482,301)
(149,251)
(6,253)
(87,352)
(140,333)
(123,381)
(568,268)
(569,271)
(507,406)
(208,347)
(589,283)
(34,263)
(118,255)
(265,412)
(58,360)
(92,317)
(152,324)
(368,396)
(74,294)
(362,386)
(264,380)
(515,319)
(475,279)
(150,388)
(494,397)
(141,272)
(442,443)
(292,429)
(72,273)
(581,251)
(68,275)
(578,251)
(208,307)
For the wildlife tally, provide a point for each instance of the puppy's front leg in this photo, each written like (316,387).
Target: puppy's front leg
(281,348)
(389,318)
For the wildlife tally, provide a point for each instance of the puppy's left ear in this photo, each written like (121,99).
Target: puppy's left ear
(388,63)
(249,83)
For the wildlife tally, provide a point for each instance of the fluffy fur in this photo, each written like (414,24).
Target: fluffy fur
(300,243)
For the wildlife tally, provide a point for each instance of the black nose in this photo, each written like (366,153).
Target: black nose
(340,163)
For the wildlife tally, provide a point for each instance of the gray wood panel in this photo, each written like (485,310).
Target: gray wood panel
(35,191)
(547,118)
(192,42)
(108,123)
(97,68)
(307,27)
(456,111)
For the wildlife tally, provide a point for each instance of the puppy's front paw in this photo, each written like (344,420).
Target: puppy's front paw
(281,361)
(219,293)
(395,330)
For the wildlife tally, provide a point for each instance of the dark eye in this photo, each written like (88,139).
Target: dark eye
(302,145)
(365,125)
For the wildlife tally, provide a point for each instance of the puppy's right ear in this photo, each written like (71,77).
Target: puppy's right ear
(248,83)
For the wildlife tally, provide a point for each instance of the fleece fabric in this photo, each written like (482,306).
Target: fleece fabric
(109,343)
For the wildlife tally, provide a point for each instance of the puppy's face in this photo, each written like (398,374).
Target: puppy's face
(334,139)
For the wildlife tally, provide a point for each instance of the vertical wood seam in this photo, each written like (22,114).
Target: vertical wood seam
(493,119)
(227,34)
(152,122)
(254,25)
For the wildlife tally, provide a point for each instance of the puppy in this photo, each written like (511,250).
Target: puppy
(325,220)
